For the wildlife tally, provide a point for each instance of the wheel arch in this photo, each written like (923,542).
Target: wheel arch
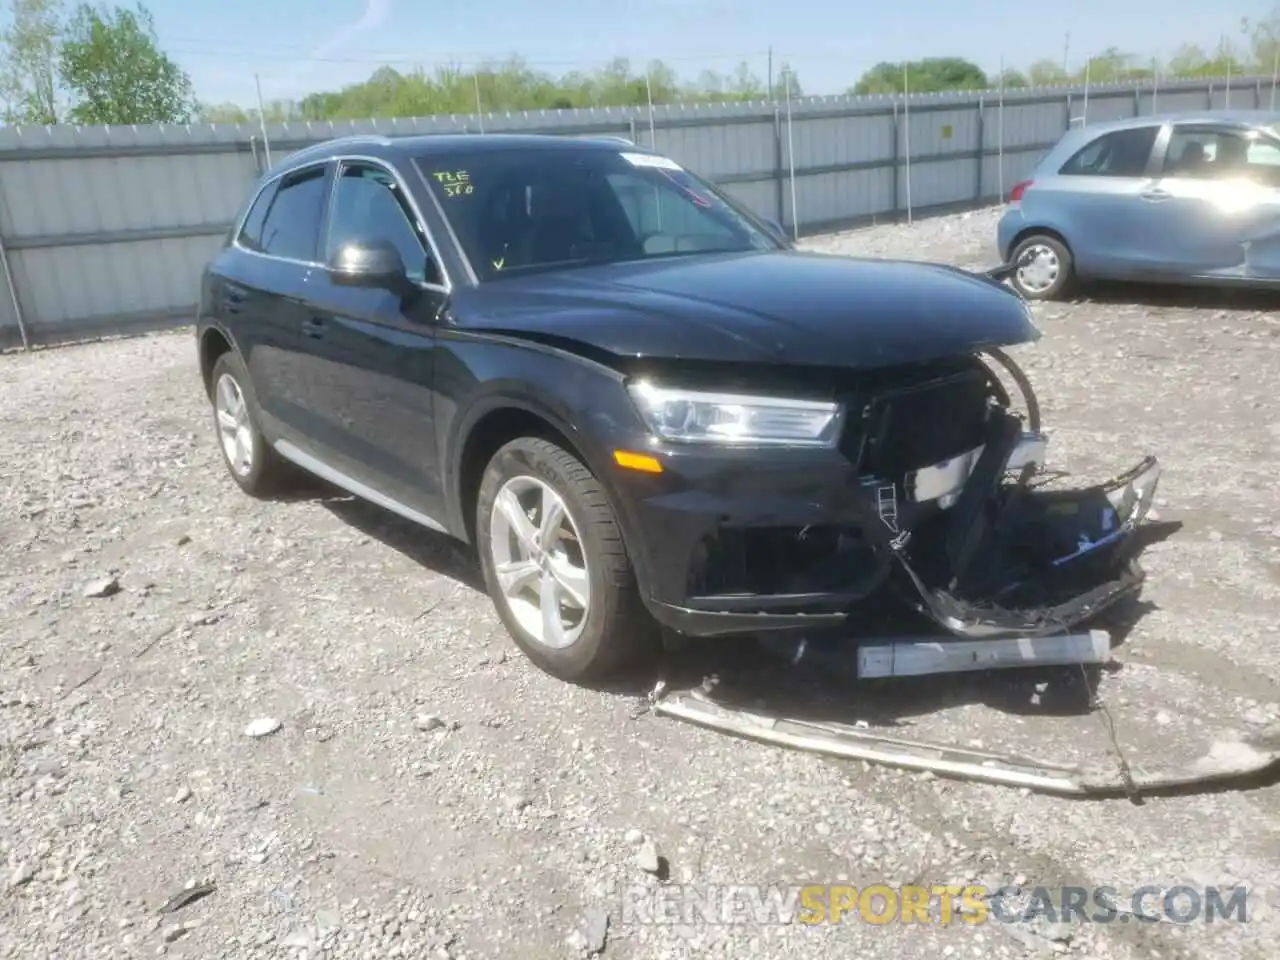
(503,418)
(214,342)
(1027,232)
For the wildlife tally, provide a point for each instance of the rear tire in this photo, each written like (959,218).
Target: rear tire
(1052,273)
(255,467)
(555,565)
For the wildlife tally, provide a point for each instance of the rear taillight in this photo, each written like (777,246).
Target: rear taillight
(1015,195)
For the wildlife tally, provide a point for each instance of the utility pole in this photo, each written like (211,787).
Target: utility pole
(262,119)
(1066,52)
(771,73)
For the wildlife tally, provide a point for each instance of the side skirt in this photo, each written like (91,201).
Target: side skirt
(365,492)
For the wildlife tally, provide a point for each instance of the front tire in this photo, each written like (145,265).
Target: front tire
(554,562)
(252,463)
(1051,273)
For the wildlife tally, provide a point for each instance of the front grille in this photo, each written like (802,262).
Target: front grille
(901,429)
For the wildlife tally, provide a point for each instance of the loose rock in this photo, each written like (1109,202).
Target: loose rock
(263,727)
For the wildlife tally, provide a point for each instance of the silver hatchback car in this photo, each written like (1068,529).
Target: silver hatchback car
(1192,198)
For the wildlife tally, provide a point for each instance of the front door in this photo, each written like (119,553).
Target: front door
(372,351)
(1215,207)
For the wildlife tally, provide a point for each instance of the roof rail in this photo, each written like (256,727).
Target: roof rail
(601,136)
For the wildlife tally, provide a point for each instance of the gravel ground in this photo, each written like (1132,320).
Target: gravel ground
(421,791)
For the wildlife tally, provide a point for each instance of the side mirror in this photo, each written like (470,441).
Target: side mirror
(369,263)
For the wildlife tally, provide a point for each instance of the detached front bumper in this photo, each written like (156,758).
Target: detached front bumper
(797,542)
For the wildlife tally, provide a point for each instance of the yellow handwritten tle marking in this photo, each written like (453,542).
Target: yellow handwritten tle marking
(456,183)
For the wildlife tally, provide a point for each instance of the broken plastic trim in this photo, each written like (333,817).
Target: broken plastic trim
(1013,551)
(1227,760)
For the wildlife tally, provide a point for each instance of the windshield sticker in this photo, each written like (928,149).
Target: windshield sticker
(456,183)
(650,160)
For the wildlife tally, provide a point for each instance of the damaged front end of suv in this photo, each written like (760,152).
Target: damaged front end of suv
(987,550)
(939,494)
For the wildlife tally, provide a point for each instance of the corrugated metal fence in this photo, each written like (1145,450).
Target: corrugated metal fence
(105,229)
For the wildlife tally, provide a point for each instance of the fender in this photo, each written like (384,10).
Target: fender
(512,393)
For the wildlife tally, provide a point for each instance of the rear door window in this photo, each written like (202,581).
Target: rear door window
(1123,153)
(292,226)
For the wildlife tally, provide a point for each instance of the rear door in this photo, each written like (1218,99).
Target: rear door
(372,352)
(1097,200)
(278,265)
(1216,203)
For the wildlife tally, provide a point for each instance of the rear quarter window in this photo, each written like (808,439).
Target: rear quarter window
(250,235)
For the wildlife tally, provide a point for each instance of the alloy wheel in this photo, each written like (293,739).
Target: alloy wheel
(539,562)
(234,428)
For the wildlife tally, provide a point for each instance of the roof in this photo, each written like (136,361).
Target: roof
(426,145)
(1235,118)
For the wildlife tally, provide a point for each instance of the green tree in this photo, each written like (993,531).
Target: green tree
(1189,60)
(29,64)
(1012,80)
(512,84)
(1113,66)
(787,81)
(1047,73)
(1263,39)
(931,75)
(222,113)
(112,63)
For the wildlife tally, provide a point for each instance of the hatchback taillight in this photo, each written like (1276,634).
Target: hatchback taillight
(1018,190)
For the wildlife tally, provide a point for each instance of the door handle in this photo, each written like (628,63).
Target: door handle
(1156,194)
(313,327)
(233,299)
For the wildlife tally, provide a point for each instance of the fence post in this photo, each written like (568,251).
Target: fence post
(779,174)
(8,279)
(13,296)
(894,159)
(982,150)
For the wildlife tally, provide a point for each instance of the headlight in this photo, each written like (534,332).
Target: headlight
(692,416)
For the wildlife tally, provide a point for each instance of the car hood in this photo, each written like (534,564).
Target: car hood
(783,307)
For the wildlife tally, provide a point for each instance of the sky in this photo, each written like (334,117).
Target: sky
(299,46)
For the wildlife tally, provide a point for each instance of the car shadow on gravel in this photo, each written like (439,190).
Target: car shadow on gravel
(1169,295)
(821,685)
(437,552)
(818,681)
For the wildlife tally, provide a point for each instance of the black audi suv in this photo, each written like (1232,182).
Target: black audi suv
(638,401)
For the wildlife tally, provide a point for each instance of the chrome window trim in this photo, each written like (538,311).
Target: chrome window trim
(270,181)
(338,160)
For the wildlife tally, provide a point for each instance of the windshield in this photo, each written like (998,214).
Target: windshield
(516,211)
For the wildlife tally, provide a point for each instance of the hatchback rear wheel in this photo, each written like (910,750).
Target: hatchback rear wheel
(1049,271)
(555,564)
